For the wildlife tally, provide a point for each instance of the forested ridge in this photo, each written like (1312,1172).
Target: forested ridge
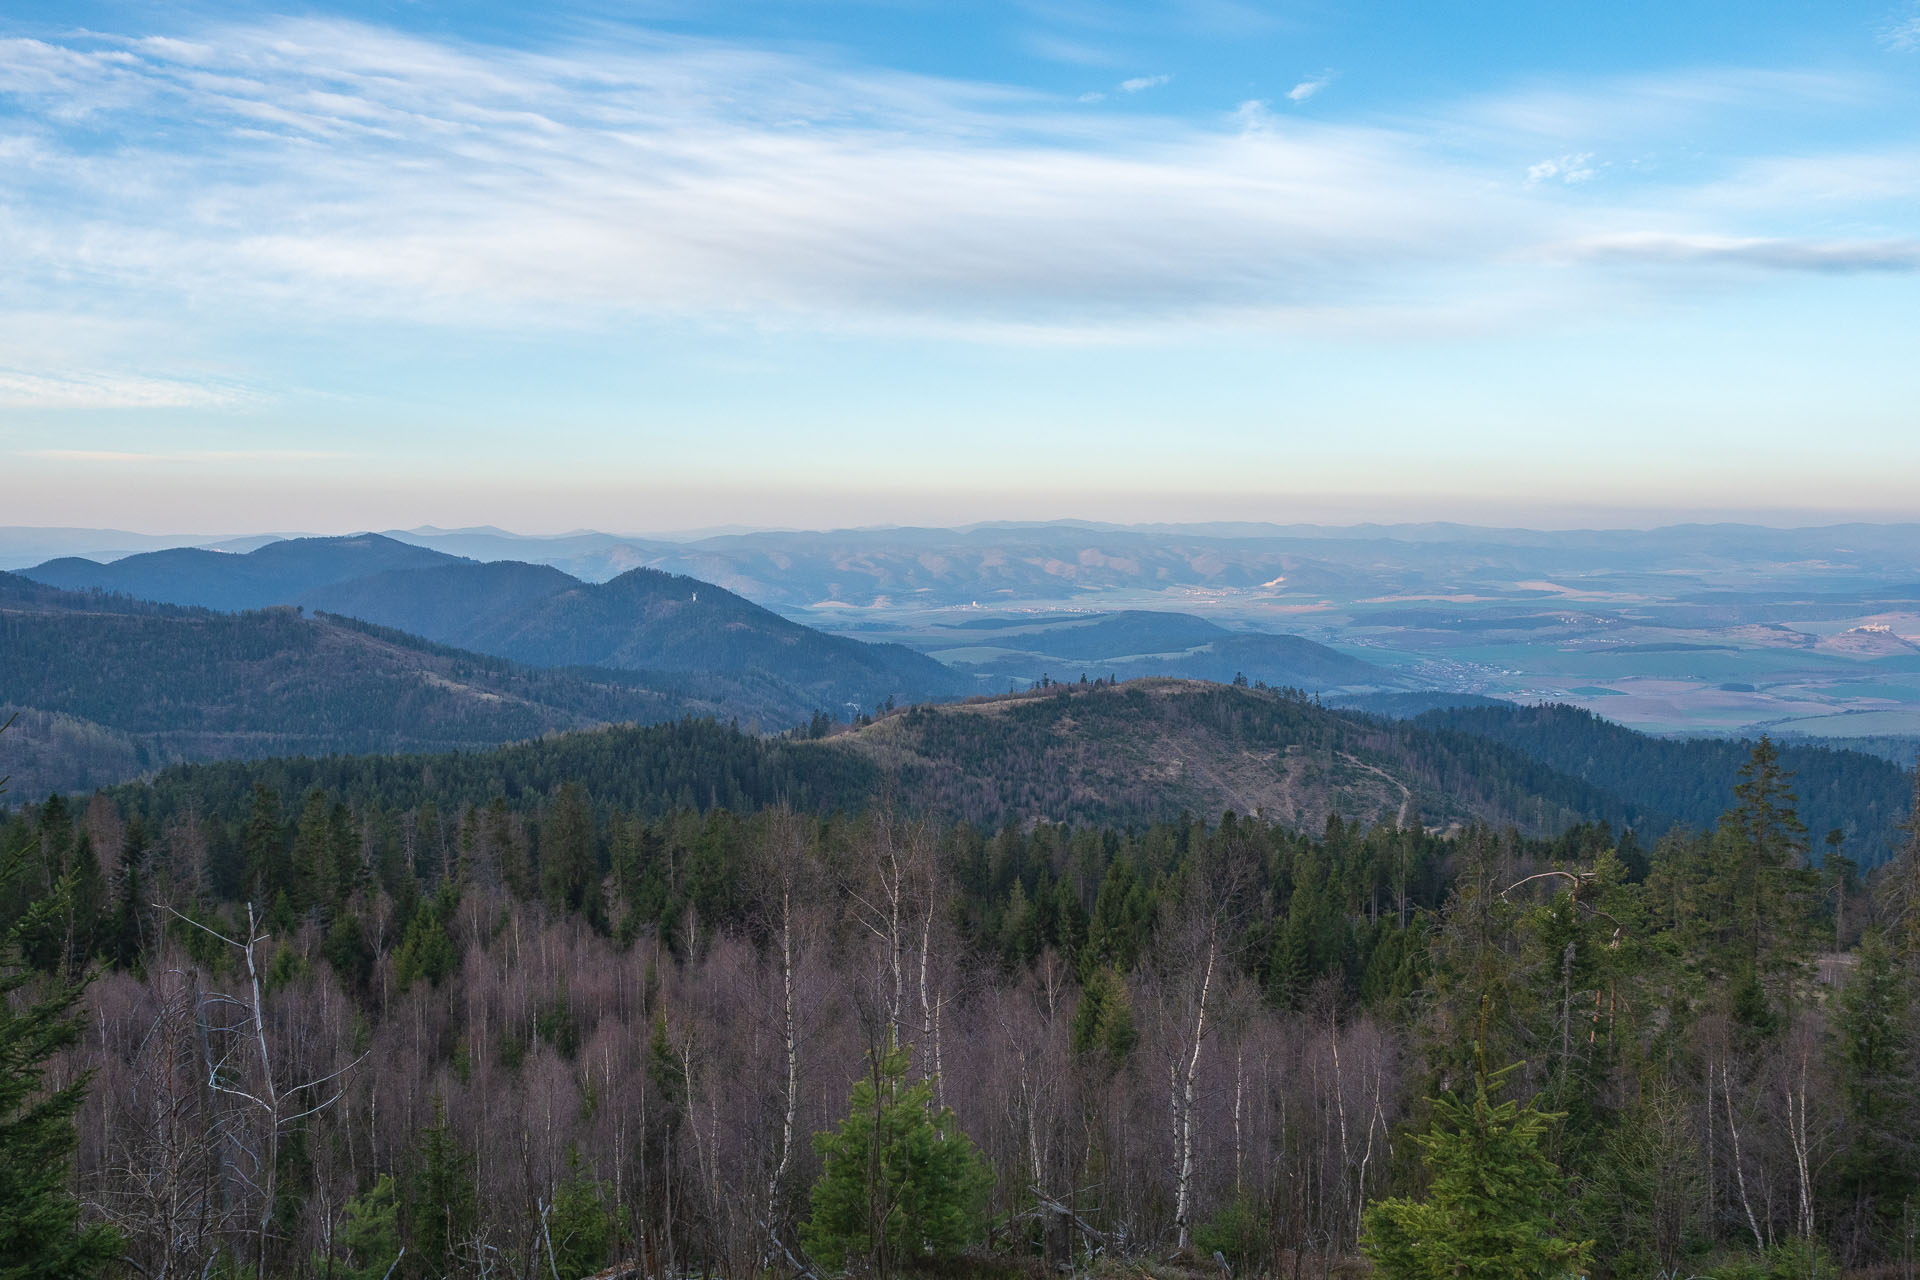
(1121,754)
(747,660)
(115,688)
(355,1022)
(1861,796)
(641,619)
(1153,748)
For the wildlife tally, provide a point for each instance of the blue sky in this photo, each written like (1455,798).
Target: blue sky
(651,266)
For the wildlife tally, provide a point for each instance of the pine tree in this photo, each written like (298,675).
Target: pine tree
(41,1237)
(313,855)
(1489,1212)
(1103,1022)
(1290,966)
(568,869)
(582,1222)
(1759,892)
(349,870)
(1900,890)
(443,1206)
(367,1243)
(899,1182)
(1881,1160)
(508,850)
(1120,913)
(427,950)
(124,934)
(87,901)
(264,846)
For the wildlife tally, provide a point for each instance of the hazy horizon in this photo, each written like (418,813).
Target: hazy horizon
(1239,527)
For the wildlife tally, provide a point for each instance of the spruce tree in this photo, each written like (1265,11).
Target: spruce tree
(898,1182)
(1879,1166)
(368,1242)
(87,901)
(569,872)
(41,1236)
(582,1223)
(1759,892)
(1489,1213)
(313,855)
(124,935)
(263,846)
(443,1207)
(1103,1023)
(1900,890)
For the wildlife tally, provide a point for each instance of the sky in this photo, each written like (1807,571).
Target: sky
(659,265)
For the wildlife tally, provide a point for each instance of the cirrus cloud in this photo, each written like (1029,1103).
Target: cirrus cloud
(21,389)
(1753,251)
(336,172)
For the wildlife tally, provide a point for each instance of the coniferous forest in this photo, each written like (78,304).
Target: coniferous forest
(417,1033)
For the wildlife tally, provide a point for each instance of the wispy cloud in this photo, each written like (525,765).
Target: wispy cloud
(1567,169)
(339,171)
(1310,86)
(1902,35)
(20,389)
(1771,254)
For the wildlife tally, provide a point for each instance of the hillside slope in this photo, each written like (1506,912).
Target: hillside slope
(1125,754)
(1692,779)
(116,687)
(1129,754)
(641,620)
(1156,748)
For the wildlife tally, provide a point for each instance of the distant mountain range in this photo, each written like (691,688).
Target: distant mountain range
(646,619)
(107,688)
(643,620)
(277,573)
(1008,562)
(999,563)
(375,644)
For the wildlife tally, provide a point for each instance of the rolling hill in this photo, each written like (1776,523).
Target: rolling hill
(277,573)
(1157,748)
(110,687)
(643,620)
(1128,754)
(1123,754)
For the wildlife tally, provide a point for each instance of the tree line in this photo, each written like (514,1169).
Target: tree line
(335,1033)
